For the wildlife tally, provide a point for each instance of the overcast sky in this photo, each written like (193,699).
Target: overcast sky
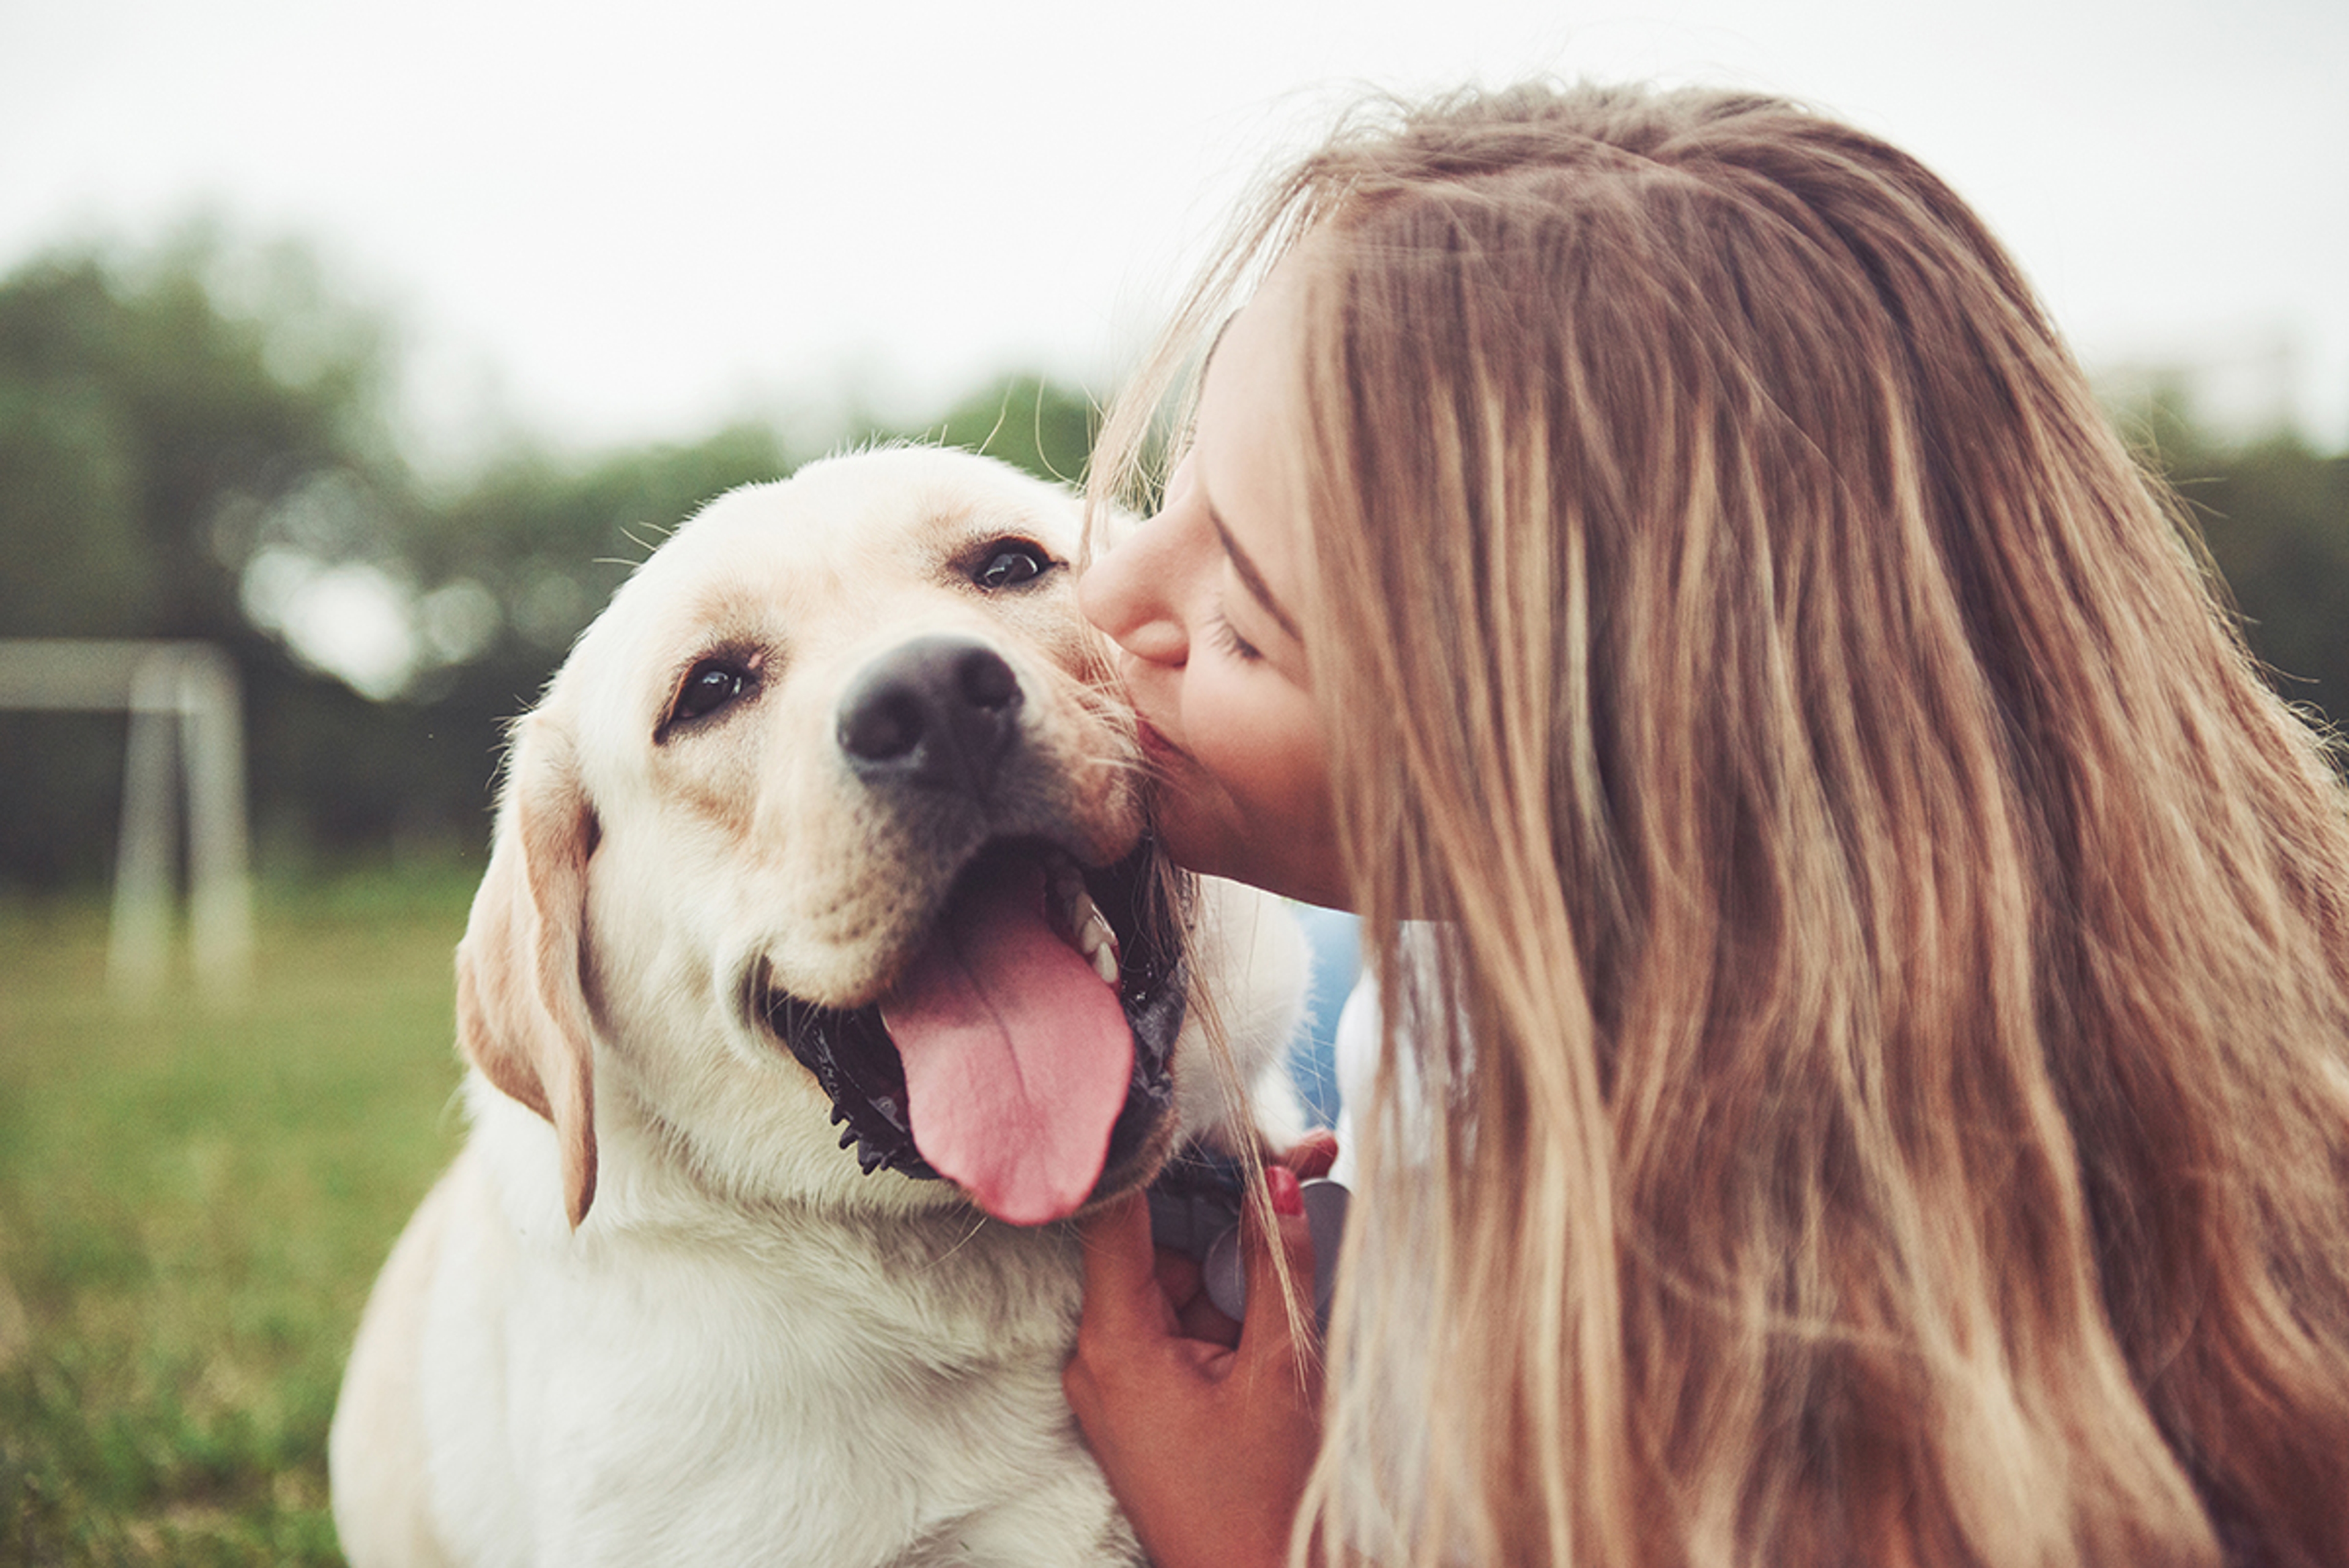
(611,222)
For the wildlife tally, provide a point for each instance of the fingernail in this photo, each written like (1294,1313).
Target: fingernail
(1287,1196)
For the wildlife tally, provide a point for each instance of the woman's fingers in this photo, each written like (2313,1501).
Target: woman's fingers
(1124,1305)
(1207,1450)
(1121,1264)
(1270,1334)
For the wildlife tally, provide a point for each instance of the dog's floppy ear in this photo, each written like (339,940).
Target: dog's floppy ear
(522,1009)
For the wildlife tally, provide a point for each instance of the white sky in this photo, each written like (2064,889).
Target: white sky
(614,222)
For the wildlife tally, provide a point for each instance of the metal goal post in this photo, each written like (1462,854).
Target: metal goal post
(187,728)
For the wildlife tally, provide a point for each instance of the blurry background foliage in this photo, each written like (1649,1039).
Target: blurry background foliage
(196,442)
(2275,514)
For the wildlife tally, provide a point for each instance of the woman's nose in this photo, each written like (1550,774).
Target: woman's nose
(1128,593)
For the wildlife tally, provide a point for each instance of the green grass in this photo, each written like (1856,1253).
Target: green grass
(195,1199)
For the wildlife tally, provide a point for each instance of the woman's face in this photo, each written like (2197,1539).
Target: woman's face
(1202,600)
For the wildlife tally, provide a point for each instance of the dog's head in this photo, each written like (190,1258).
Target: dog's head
(836,803)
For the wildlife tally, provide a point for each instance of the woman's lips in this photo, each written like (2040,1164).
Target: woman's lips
(1157,748)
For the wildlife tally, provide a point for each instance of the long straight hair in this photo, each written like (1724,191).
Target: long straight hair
(1877,1089)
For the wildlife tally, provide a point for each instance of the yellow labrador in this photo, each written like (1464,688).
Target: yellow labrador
(820,973)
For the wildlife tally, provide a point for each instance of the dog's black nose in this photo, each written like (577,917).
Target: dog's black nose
(937,711)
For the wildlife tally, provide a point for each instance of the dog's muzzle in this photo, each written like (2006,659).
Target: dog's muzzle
(933,726)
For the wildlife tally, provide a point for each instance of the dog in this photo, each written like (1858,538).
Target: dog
(821,972)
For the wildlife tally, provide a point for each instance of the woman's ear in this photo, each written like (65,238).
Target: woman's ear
(521,1007)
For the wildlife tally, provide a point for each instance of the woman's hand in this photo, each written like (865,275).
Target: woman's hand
(1207,1442)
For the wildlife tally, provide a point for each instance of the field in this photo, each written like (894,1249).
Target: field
(193,1201)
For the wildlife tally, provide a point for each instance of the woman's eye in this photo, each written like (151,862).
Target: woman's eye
(1008,565)
(709,686)
(1228,637)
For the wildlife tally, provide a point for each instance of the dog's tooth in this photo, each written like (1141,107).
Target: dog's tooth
(1097,926)
(1098,923)
(1098,943)
(1089,928)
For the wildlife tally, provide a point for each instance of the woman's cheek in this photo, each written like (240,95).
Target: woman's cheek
(1217,719)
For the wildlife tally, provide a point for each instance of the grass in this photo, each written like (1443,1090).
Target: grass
(195,1199)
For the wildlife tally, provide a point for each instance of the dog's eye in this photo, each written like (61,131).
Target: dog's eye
(1010,563)
(709,686)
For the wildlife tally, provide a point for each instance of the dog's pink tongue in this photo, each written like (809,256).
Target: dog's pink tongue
(1017,1055)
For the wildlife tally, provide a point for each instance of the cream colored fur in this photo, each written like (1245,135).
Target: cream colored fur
(653,1313)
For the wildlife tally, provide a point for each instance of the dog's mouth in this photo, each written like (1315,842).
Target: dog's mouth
(1024,1053)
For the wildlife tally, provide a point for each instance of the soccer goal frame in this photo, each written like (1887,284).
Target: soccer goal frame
(187,729)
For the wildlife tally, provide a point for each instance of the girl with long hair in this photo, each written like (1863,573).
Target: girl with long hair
(1862,960)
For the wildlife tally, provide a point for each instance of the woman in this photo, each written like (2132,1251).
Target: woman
(1878,1088)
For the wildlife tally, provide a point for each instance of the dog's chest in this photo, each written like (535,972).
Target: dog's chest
(843,1398)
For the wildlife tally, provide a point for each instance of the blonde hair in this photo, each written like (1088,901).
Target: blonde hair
(1891,1007)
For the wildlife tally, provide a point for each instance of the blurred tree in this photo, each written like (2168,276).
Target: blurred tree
(136,413)
(549,541)
(132,407)
(2279,528)
(2275,515)
(1028,421)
